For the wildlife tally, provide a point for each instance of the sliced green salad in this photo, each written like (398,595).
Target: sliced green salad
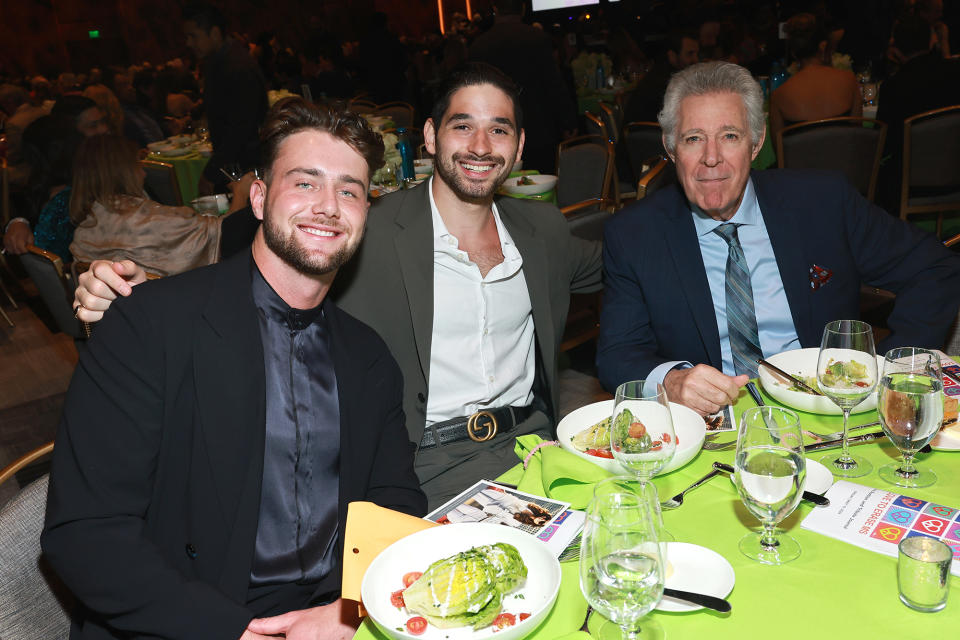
(466,589)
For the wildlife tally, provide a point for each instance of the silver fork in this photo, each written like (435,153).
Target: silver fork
(677,500)
(719,446)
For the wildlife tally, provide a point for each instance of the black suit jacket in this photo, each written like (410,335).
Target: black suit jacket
(657,304)
(155,486)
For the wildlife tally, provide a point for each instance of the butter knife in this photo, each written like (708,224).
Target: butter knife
(702,599)
(809,496)
(800,383)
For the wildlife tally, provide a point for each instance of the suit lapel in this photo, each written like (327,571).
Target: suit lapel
(782,221)
(536,270)
(414,245)
(684,247)
(230,388)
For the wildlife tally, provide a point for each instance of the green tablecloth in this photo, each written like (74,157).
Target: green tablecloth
(189,168)
(833,590)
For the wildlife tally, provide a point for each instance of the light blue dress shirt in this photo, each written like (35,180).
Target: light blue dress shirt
(777,332)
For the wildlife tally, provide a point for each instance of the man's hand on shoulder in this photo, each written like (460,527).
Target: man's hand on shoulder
(100,285)
(335,621)
(703,388)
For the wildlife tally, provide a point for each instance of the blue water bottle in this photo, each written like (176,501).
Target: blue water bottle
(407,172)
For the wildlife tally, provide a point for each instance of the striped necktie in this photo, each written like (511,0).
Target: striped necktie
(741,317)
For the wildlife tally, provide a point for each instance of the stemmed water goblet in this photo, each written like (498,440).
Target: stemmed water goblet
(621,559)
(642,438)
(847,374)
(770,474)
(910,404)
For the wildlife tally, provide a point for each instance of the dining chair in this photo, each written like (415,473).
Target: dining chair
(56,290)
(612,117)
(360,104)
(931,164)
(400,112)
(33,601)
(643,140)
(596,126)
(583,320)
(5,269)
(584,170)
(5,195)
(25,460)
(852,146)
(661,173)
(161,183)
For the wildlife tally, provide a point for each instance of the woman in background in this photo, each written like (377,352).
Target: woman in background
(816,90)
(115,220)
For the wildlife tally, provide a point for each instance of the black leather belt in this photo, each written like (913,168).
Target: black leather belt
(482,426)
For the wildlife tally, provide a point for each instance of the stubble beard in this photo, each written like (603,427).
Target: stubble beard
(299,257)
(446,169)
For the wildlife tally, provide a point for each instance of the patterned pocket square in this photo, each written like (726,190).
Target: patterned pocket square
(819,276)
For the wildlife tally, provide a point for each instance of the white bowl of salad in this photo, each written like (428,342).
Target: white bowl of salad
(802,363)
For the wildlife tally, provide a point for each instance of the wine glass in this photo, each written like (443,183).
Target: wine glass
(621,560)
(642,438)
(910,405)
(770,474)
(847,374)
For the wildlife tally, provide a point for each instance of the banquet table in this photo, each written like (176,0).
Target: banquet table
(188,168)
(833,590)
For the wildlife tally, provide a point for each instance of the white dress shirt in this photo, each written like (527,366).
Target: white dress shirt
(482,352)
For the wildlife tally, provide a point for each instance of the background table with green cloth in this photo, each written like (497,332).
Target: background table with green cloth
(188,168)
(834,589)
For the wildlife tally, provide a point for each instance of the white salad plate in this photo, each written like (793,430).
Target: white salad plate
(696,569)
(687,424)
(803,363)
(417,551)
(819,478)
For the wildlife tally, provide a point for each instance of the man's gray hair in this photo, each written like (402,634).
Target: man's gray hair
(705,78)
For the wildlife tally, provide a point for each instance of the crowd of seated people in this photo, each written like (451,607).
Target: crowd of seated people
(147,101)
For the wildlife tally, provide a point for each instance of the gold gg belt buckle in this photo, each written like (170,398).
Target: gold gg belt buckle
(481,426)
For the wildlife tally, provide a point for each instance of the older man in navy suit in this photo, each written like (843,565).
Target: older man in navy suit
(730,265)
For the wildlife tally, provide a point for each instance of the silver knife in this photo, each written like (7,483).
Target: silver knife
(809,496)
(866,437)
(830,444)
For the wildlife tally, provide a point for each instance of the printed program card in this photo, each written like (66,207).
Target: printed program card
(550,521)
(877,519)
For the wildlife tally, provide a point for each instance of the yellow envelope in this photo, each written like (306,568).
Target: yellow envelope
(371,529)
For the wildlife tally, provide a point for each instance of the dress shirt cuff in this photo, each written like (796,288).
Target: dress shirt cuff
(23,220)
(658,373)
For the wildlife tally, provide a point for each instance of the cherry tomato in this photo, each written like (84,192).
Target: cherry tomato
(524,616)
(417,625)
(505,620)
(410,578)
(637,430)
(600,453)
(656,445)
(396,599)
(861,384)
(666,438)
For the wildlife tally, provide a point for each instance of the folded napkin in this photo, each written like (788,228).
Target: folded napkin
(371,529)
(554,472)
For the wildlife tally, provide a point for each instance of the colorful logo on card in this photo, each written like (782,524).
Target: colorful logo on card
(930,525)
(909,503)
(898,516)
(940,511)
(888,532)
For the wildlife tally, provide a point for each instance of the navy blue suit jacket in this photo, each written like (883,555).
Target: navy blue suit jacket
(657,305)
